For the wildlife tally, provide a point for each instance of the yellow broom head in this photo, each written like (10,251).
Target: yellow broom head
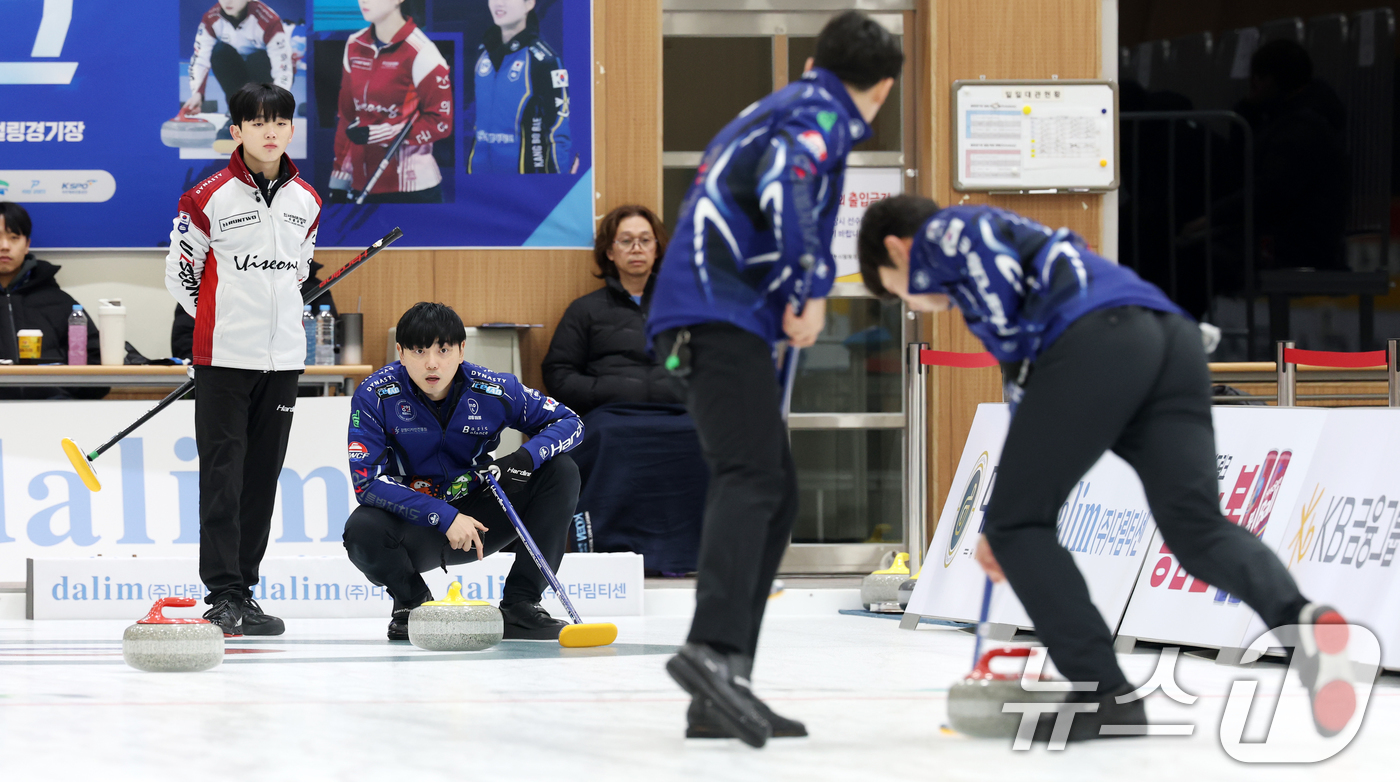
(81,465)
(581,635)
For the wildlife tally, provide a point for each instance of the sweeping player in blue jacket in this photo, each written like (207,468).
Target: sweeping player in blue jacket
(421,432)
(753,242)
(1094,359)
(522,98)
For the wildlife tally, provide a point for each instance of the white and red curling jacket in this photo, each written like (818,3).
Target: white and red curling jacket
(386,85)
(261,28)
(236,264)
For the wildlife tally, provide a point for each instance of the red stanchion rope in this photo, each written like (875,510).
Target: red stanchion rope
(944,358)
(1328,358)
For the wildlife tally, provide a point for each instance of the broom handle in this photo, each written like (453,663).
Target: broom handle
(530,544)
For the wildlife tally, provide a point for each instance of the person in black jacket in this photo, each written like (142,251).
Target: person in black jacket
(599,352)
(33,300)
(643,477)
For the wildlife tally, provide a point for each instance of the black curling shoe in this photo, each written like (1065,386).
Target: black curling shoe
(530,622)
(398,625)
(709,675)
(701,725)
(227,613)
(255,622)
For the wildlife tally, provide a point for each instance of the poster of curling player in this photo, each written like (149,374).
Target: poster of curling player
(466,122)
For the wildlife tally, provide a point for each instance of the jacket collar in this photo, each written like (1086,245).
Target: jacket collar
(31,274)
(828,81)
(399,37)
(614,285)
(499,50)
(240,169)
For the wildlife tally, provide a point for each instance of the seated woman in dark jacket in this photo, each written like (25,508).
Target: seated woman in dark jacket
(599,352)
(643,477)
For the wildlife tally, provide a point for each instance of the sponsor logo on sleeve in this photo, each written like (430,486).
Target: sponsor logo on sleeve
(550,404)
(404,410)
(544,452)
(239,221)
(357,451)
(433,519)
(297,220)
(473,407)
(386,391)
(814,143)
(184,225)
(559,78)
(355,419)
(483,387)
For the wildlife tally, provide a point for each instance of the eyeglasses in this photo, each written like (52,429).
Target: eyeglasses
(645,242)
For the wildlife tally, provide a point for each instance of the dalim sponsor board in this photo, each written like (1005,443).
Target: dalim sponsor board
(149,502)
(1263,457)
(1105,524)
(311,587)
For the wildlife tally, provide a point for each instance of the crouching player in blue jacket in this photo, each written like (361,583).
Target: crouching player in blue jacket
(421,432)
(1094,359)
(752,243)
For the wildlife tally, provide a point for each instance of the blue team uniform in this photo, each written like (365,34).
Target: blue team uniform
(411,456)
(761,212)
(1018,283)
(522,106)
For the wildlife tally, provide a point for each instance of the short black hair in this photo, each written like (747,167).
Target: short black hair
(427,323)
(901,216)
(858,50)
(266,102)
(1285,61)
(16,218)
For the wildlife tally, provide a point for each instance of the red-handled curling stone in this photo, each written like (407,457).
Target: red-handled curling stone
(159,643)
(974,704)
(187,130)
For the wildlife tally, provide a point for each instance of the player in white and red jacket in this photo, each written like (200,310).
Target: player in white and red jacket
(382,86)
(241,42)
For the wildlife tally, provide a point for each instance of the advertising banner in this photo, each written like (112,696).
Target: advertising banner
(1263,458)
(1104,523)
(464,125)
(317,586)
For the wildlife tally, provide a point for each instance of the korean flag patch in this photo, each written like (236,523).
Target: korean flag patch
(559,78)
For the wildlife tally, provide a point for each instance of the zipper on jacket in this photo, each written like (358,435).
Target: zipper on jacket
(14,329)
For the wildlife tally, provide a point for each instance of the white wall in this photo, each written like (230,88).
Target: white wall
(137,277)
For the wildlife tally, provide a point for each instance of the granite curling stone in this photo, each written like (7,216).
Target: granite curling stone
(187,131)
(160,644)
(906,592)
(455,625)
(975,703)
(879,591)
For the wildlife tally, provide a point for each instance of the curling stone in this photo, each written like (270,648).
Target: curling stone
(186,130)
(159,644)
(879,591)
(455,625)
(974,704)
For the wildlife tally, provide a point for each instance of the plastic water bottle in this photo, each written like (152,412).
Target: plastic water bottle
(308,325)
(325,337)
(77,336)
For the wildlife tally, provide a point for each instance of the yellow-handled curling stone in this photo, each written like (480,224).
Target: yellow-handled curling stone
(879,591)
(160,644)
(454,624)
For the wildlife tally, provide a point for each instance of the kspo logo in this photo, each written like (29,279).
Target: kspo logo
(965,508)
(1249,504)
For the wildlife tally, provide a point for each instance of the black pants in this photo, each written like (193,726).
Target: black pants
(732,393)
(1135,382)
(241,421)
(233,70)
(392,552)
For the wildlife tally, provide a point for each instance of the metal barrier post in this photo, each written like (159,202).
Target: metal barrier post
(1392,352)
(915,453)
(1287,377)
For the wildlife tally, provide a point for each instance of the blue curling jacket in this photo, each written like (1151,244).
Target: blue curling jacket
(522,106)
(1019,284)
(761,212)
(411,456)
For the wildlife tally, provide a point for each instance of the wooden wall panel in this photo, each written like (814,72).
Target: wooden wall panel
(998,39)
(535,286)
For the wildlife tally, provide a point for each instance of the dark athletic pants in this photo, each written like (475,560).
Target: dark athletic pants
(1135,382)
(733,395)
(233,70)
(242,418)
(392,552)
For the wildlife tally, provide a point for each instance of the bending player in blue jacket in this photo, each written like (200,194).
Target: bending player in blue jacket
(751,243)
(421,432)
(1095,359)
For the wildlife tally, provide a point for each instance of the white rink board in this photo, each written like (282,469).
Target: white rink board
(1263,458)
(314,587)
(1105,524)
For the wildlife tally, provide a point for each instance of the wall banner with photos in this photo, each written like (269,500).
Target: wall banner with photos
(424,114)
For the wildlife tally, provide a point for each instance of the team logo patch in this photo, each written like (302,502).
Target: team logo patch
(969,503)
(404,409)
(385,391)
(183,226)
(814,143)
(473,407)
(433,519)
(559,78)
(357,451)
(483,68)
(516,69)
(239,221)
(544,452)
(827,119)
(494,389)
